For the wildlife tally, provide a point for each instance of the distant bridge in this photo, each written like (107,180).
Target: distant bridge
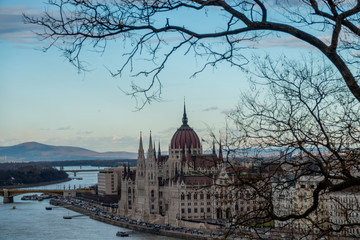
(82,170)
(8,194)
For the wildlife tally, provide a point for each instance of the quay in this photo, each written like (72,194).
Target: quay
(163,232)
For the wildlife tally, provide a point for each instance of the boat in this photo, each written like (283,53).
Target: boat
(13,207)
(67,217)
(122,234)
(48,208)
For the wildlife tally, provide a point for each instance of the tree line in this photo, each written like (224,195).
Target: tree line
(30,174)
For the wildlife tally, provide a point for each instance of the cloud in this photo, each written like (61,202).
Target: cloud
(12,26)
(210,109)
(228,111)
(64,128)
(117,138)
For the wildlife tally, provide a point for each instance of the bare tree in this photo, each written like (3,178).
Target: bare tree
(156,29)
(308,112)
(304,111)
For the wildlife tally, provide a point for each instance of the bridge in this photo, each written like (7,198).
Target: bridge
(8,194)
(82,170)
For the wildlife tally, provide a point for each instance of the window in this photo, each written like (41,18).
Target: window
(201,210)
(189,210)
(189,196)
(195,196)
(152,193)
(195,210)
(201,196)
(129,190)
(208,196)
(208,210)
(182,196)
(182,210)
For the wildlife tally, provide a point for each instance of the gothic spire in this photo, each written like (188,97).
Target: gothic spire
(150,144)
(159,153)
(220,151)
(141,149)
(154,151)
(184,119)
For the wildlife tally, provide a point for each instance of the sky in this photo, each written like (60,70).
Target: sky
(43,98)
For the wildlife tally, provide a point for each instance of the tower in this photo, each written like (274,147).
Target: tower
(140,182)
(152,186)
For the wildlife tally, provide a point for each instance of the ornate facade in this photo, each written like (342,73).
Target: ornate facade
(178,186)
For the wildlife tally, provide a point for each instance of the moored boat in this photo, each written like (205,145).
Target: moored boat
(122,234)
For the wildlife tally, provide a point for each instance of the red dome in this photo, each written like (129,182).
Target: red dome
(185,136)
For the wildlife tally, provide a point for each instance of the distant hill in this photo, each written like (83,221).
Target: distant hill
(33,151)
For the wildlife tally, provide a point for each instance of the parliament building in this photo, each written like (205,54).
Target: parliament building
(166,189)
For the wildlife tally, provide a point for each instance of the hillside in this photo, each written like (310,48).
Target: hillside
(33,151)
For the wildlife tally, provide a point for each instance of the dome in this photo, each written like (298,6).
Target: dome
(185,136)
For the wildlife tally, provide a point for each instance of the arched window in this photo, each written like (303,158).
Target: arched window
(152,193)
(129,190)
(182,196)
(189,196)
(228,213)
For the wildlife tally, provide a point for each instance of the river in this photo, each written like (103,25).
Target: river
(30,219)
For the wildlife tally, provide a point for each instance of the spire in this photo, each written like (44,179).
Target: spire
(184,119)
(150,144)
(128,165)
(159,153)
(154,151)
(141,149)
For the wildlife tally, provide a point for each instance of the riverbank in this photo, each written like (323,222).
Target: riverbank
(36,184)
(130,224)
